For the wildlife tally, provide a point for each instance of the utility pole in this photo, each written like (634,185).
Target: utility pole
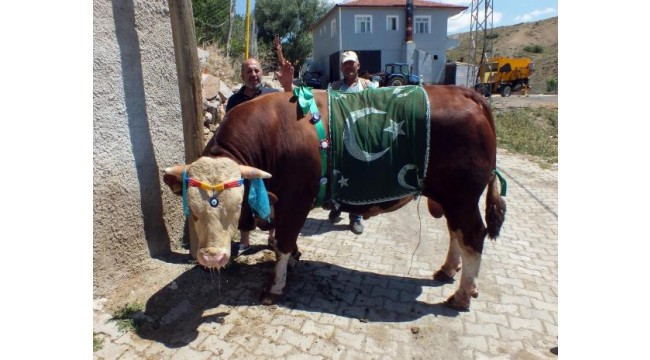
(248,26)
(481,21)
(189,86)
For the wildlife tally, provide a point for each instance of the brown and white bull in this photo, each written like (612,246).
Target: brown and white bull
(271,135)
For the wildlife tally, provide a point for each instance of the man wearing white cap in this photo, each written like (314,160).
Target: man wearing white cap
(351,82)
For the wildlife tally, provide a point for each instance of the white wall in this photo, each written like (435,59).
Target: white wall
(137,131)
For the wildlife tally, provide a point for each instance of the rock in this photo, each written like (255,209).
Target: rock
(207,119)
(210,85)
(225,92)
(203,56)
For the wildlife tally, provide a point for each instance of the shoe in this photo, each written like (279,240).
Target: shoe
(356,227)
(243,249)
(334,216)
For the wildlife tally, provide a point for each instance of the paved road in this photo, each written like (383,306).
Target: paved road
(369,296)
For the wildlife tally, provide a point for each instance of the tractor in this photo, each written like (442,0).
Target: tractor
(397,74)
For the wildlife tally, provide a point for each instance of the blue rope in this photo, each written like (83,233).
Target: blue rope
(186,208)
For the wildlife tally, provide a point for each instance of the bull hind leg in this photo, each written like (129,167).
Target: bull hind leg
(452,264)
(467,234)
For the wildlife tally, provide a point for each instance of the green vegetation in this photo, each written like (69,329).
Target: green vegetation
(529,131)
(291,20)
(125,317)
(212,22)
(97,343)
(551,85)
(217,24)
(536,49)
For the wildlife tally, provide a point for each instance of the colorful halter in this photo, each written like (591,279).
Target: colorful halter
(214,202)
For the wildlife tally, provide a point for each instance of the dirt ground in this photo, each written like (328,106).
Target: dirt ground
(517,100)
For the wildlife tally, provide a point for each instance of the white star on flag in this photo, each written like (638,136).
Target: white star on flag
(343,182)
(395,128)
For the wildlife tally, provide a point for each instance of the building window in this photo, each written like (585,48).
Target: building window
(333,28)
(392,23)
(422,24)
(362,24)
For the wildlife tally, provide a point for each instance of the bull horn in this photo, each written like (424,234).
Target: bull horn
(176,170)
(249,172)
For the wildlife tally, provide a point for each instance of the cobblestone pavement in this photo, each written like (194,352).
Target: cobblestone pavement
(369,296)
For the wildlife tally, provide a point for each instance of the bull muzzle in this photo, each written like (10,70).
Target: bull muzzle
(213,257)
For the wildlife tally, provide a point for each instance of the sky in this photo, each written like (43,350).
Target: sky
(505,12)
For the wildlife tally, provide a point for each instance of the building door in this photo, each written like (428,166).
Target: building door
(370,62)
(335,67)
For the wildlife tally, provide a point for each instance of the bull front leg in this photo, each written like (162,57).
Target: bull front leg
(278,281)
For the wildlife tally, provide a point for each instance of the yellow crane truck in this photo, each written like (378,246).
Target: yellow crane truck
(504,75)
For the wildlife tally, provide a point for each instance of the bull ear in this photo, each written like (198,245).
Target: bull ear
(176,170)
(248,172)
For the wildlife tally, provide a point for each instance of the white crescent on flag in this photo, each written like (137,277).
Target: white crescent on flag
(350,139)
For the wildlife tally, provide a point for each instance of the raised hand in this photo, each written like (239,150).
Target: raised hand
(285,76)
(277,47)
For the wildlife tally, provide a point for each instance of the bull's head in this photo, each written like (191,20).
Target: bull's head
(214,198)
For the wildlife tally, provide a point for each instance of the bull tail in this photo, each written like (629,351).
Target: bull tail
(495,209)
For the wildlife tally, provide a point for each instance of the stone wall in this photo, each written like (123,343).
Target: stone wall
(137,131)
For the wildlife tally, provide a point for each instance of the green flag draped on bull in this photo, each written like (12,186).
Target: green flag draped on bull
(380,142)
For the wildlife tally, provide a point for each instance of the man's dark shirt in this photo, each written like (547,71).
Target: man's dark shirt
(239,97)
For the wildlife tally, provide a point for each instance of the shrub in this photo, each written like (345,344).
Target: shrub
(534,49)
(98,342)
(126,317)
(551,85)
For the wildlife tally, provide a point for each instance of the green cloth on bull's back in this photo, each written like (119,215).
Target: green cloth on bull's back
(379,143)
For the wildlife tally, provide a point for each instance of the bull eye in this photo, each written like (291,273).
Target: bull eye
(214,202)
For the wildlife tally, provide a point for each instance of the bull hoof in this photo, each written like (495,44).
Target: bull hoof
(268,298)
(475,295)
(295,259)
(443,277)
(455,304)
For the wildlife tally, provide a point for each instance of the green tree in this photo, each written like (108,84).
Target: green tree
(215,23)
(291,19)
(211,20)
(238,37)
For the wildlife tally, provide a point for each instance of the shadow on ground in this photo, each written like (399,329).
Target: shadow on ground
(175,312)
(314,226)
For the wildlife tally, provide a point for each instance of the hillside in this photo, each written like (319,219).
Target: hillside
(511,40)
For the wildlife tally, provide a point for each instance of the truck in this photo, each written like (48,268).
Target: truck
(504,75)
(397,74)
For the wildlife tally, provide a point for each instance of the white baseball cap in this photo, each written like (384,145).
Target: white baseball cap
(349,56)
